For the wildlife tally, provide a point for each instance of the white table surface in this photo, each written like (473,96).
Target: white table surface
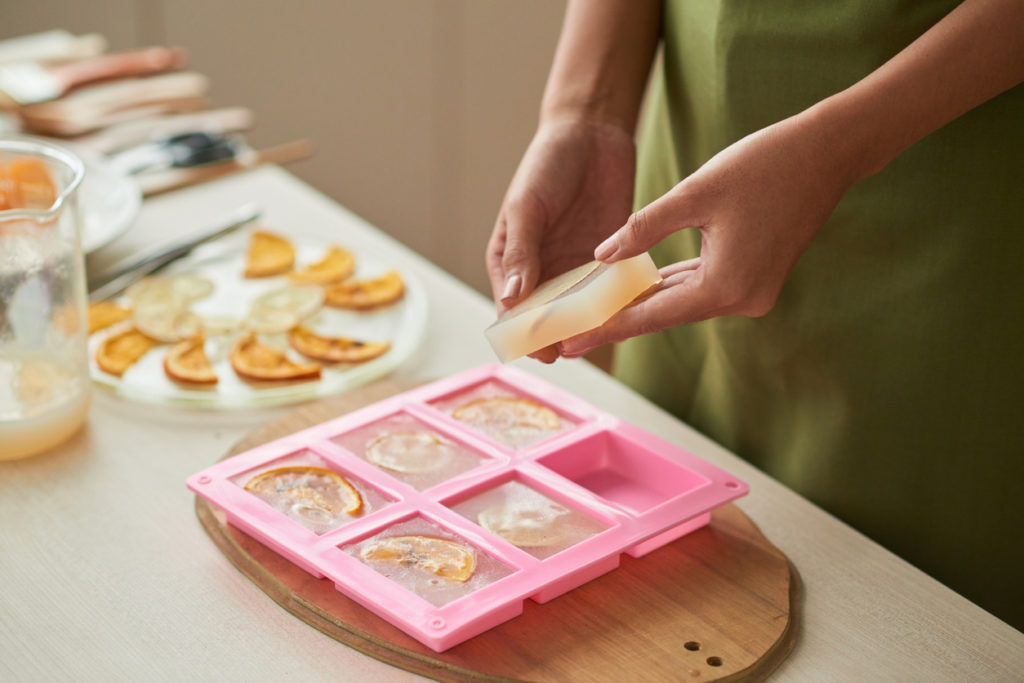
(106,574)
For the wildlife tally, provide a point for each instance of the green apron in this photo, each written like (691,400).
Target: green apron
(887,384)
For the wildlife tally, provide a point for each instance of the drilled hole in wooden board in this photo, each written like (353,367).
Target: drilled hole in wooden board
(692,646)
(714,661)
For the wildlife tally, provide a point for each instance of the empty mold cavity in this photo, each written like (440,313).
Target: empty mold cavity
(528,519)
(623,471)
(307,489)
(410,451)
(504,414)
(428,560)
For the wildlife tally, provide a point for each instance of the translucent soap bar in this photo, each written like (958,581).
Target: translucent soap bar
(574,302)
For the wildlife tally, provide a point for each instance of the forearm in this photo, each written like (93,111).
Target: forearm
(602,62)
(975,53)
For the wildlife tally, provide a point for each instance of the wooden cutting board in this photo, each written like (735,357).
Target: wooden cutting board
(718,604)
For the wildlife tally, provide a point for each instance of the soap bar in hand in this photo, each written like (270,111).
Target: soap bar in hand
(572,303)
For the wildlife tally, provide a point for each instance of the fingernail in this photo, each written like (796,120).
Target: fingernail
(606,249)
(512,286)
(567,350)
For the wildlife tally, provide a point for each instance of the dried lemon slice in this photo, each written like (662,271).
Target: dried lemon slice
(334,349)
(335,266)
(524,525)
(302,301)
(184,288)
(103,314)
(254,361)
(186,361)
(446,559)
(501,413)
(219,325)
(120,351)
(270,321)
(268,254)
(312,493)
(363,294)
(408,453)
(165,318)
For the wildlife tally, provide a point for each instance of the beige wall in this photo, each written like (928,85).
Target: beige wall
(419,109)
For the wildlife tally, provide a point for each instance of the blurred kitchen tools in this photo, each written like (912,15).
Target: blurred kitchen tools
(131,133)
(92,107)
(28,82)
(50,46)
(178,151)
(124,274)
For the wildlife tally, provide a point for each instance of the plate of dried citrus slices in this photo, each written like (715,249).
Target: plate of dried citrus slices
(283,320)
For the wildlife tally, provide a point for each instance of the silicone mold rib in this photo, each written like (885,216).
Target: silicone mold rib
(645,491)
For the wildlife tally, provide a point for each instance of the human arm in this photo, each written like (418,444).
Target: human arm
(574,186)
(759,203)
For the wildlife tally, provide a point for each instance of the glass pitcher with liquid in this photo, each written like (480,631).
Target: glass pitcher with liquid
(44,370)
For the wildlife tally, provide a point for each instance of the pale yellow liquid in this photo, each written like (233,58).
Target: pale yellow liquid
(41,405)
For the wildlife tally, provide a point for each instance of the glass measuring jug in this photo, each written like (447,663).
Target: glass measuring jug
(44,371)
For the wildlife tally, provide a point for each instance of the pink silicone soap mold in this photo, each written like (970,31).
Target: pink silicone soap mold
(460,499)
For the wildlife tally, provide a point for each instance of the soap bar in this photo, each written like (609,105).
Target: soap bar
(572,303)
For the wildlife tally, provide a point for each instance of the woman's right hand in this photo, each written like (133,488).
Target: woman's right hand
(573,189)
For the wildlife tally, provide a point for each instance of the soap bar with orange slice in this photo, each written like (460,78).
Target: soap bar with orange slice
(314,494)
(446,559)
(120,351)
(368,293)
(409,453)
(26,183)
(335,266)
(103,314)
(334,349)
(269,254)
(501,412)
(187,362)
(254,361)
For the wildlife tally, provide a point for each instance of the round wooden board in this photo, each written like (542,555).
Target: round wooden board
(718,604)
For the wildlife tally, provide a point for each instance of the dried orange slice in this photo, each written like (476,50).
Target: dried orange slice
(370,293)
(186,361)
(335,266)
(254,361)
(525,525)
(408,453)
(268,254)
(26,183)
(334,349)
(120,351)
(447,559)
(312,493)
(103,314)
(502,413)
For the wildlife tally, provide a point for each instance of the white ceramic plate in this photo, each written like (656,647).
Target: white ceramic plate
(402,323)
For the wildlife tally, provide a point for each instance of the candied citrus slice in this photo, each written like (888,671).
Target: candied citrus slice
(165,319)
(120,351)
(26,183)
(370,293)
(447,559)
(525,525)
(409,453)
(314,493)
(268,254)
(334,349)
(501,413)
(254,361)
(335,266)
(186,361)
(103,314)
(301,301)
(219,325)
(186,288)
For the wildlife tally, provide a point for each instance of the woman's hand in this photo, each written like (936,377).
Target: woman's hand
(573,188)
(757,204)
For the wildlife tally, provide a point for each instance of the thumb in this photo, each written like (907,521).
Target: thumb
(647,227)
(521,257)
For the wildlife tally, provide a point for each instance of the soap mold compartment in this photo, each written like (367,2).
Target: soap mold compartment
(646,491)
